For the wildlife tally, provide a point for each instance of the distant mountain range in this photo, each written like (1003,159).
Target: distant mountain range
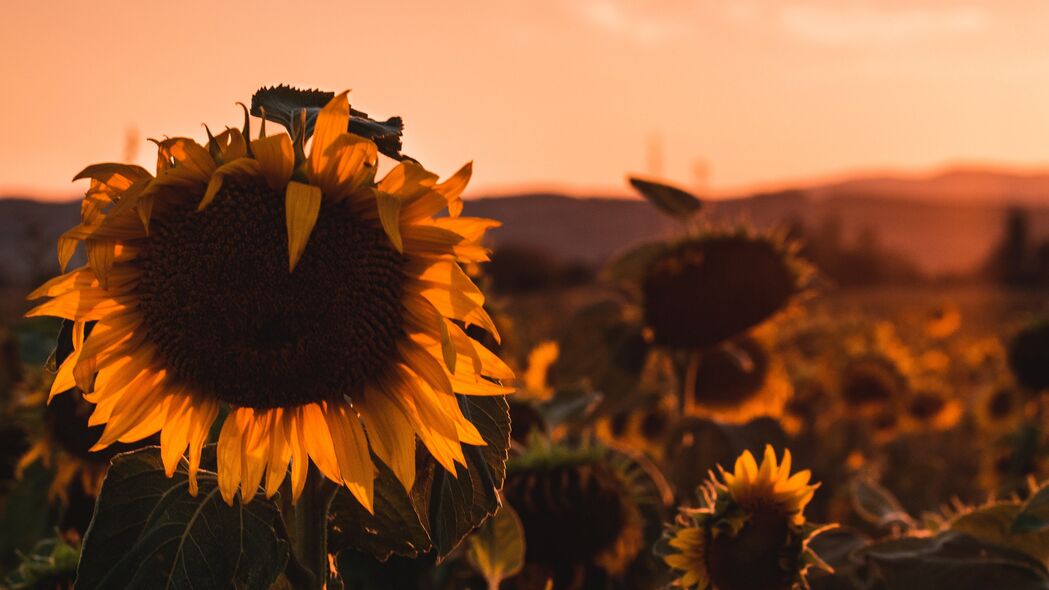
(946,222)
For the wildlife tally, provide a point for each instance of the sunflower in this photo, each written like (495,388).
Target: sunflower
(63,444)
(931,407)
(740,380)
(872,382)
(326,311)
(943,320)
(643,426)
(751,532)
(710,288)
(1000,408)
(579,510)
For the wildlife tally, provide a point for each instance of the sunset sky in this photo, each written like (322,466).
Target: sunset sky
(546,93)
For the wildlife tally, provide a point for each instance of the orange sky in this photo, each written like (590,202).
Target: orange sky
(545,92)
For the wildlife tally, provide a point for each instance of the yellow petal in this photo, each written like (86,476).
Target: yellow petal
(280,453)
(204,414)
(332,121)
(389,214)
(228,454)
(351,451)
(100,259)
(238,167)
(391,435)
(408,180)
(302,204)
(276,158)
(452,189)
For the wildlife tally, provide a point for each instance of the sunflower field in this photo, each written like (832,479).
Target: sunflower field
(278,361)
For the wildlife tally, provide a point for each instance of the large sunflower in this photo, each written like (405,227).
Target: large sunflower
(324,309)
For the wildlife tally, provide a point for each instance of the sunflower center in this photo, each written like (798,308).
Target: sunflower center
(232,323)
(755,558)
(1001,404)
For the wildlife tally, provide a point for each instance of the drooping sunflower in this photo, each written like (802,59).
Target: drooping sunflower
(750,532)
(582,512)
(715,286)
(325,310)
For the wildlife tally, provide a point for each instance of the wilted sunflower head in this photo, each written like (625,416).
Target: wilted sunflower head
(751,533)
(576,508)
(325,309)
(740,380)
(715,286)
(1029,355)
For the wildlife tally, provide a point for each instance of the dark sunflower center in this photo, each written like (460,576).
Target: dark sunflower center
(1001,404)
(757,557)
(868,385)
(231,321)
(926,406)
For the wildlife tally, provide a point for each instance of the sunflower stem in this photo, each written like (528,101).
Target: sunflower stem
(688,395)
(311,526)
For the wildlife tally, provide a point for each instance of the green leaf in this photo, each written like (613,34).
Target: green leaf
(394,529)
(497,549)
(950,561)
(148,532)
(458,505)
(1034,516)
(994,523)
(602,349)
(441,509)
(51,564)
(671,200)
(877,505)
(283,103)
(27,514)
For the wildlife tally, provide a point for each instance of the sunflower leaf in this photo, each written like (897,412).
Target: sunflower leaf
(877,505)
(455,506)
(497,549)
(282,104)
(441,509)
(668,199)
(148,532)
(950,561)
(1034,517)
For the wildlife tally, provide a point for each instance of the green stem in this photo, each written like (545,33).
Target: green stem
(311,526)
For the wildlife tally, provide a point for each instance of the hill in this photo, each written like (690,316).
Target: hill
(946,222)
